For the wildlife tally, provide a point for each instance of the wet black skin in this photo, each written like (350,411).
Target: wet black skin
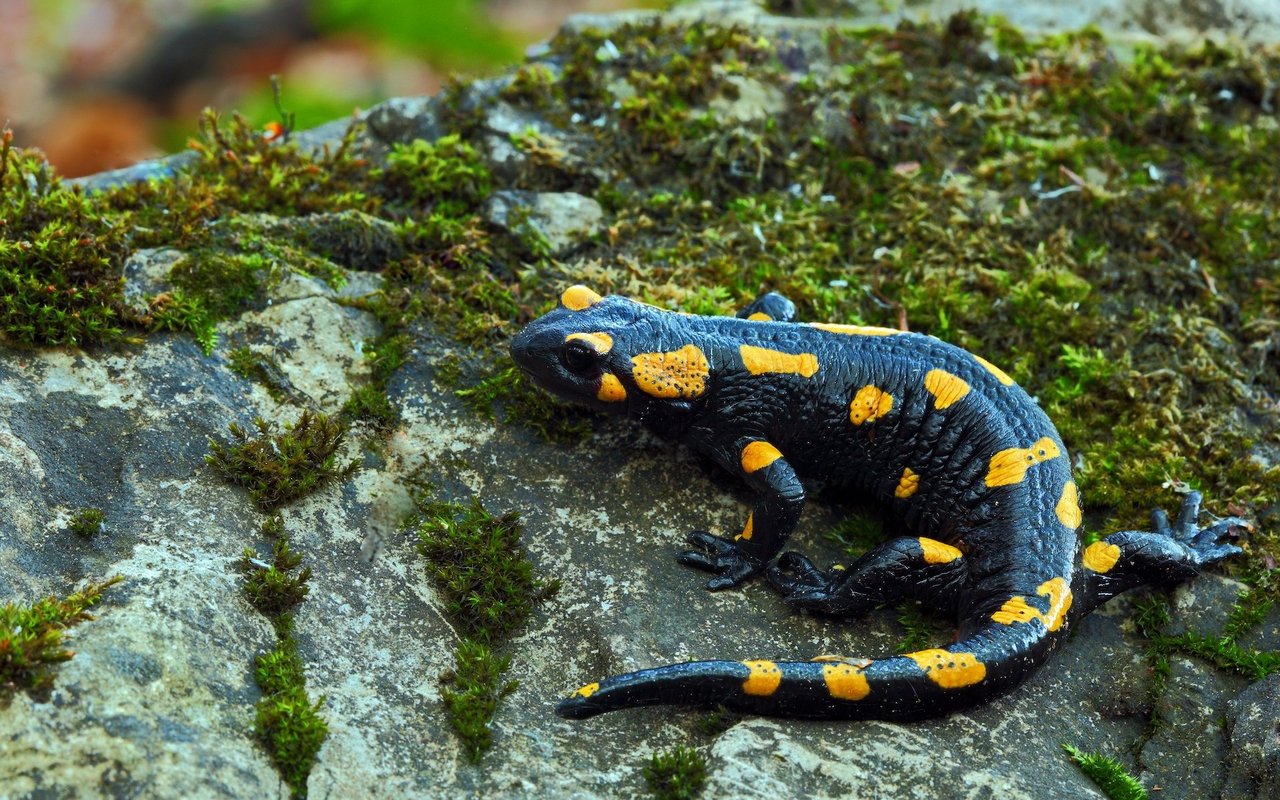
(1011,537)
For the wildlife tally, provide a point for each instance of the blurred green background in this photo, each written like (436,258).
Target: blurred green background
(99,84)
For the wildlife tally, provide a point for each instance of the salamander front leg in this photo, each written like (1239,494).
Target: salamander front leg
(899,568)
(769,307)
(781,496)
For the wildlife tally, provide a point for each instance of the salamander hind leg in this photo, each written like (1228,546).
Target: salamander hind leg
(901,567)
(1168,554)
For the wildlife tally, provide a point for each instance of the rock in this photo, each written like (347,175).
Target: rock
(1253,732)
(559,219)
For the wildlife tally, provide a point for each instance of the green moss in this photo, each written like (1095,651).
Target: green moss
(32,637)
(507,392)
(275,587)
(446,175)
(489,589)
(60,258)
(86,522)
(1110,775)
(480,568)
(278,468)
(370,404)
(287,723)
(263,370)
(920,628)
(677,774)
(471,693)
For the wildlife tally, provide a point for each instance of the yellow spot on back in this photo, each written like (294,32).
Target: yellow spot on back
(1100,557)
(1010,466)
(854,330)
(907,485)
(1068,508)
(759,316)
(748,529)
(1017,609)
(758,455)
(764,678)
(945,387)
(994,370)
(845,681)
(611,389)
(761,360)
(936,552)
(586,691)
(950,670)
(576,298)
(869,404)
(601,343)
(680,373)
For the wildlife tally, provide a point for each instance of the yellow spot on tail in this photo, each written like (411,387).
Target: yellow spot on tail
(759,316)
(854,330)
(680,373)
(907,485)
(761,361)
(1010,466)
(764,678)
(586,691)
(1068,508)
(936,552)
(994,370)
(611,389)
(601,343)
(747,530)
(1017,609)
(1100,557)
(758,455)
(946,388)
(950,670)
(845,681)
(576,298)
(869,404)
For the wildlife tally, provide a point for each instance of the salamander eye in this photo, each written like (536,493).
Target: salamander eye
(580,356)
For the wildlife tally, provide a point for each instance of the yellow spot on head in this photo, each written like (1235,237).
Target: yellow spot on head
(1010,466)
(845,681)
(1100,557)
(747,530)
(945,387)
(586,691)
(761,360)
(576,298)
(1068,508)
(994,370)
(1017,609)
(869,404)
(936,552)
(759,316)
(611,389)
(907,485)
(601,343)
(758,455)
(764,678)
(854,330)
(681,373)
(950,670)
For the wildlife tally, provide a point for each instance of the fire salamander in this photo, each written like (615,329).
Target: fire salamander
(961,457)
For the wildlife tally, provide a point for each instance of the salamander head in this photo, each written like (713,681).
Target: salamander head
(577,352)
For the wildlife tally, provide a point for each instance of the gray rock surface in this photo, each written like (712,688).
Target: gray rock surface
(158,701)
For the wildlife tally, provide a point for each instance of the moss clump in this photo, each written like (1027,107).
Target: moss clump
(1223,650)
(1110,775)
(32,637)
(471,693)
(489,589)
(60,258)
(370,404)
(278,468)
(508,391)
(677,774)
(263,370)
(477,562)
(287,723)
(86,522)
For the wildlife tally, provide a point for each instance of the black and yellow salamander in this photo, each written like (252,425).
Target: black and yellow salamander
(958,454)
